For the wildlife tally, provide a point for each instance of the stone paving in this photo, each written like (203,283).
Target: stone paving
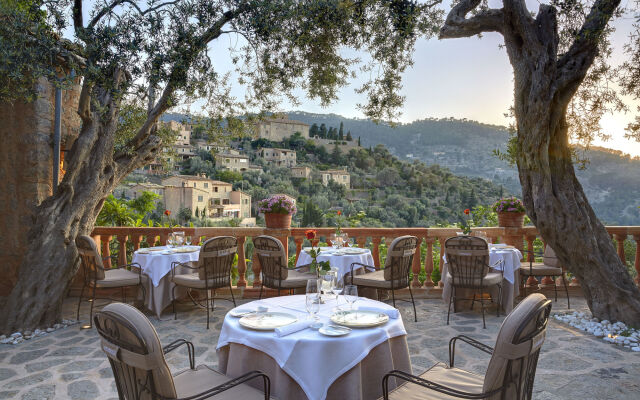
(68,364)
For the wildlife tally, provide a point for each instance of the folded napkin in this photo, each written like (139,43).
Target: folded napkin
(392,313)
(292,328)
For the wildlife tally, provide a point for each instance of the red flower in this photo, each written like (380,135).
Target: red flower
(167,212)
(310,234)
(339,212)
(467,211)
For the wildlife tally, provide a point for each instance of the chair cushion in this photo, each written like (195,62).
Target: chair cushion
(539,269)
(492,278)
(454,378)
(191,382)
(296,279)
(373,279)
(120,277)
(192,281)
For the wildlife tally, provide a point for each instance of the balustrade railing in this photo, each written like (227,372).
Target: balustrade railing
(428,254)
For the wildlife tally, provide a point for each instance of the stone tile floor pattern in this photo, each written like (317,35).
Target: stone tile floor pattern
(68,364)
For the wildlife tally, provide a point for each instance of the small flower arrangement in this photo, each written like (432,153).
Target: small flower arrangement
(466,223)
(508,204)
(341,220)
(277,204)
(314,253)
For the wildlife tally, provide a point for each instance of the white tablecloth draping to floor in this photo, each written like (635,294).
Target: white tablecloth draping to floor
(312,360)
(158,267)
(339,263)
(510,258)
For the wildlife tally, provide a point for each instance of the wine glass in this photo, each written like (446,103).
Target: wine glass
(336,288)
(350,294)
(333,238)
(170,241)
(187,240)
(312,302)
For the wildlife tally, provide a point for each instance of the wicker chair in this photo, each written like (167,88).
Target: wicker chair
(141,371)
(468,261)
(213,271)
(511,370)
(550,266)
(275,273)
(395,274)
(95,276)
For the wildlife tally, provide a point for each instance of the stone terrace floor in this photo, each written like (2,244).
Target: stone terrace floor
(69,363)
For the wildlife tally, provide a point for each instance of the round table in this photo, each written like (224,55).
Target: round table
(306,364)
(341,263)
(157,266)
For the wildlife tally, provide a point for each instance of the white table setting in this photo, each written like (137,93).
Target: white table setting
(156,264)
(338,348)
(502,257)
(340,259)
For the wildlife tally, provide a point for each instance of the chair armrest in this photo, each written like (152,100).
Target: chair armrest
(370,267)
(177,343)
(500,261)
(478,345)
(233,383)
(431,385)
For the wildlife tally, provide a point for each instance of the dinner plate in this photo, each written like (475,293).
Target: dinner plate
(143,251)
(359,318)
(354,251)
(334,331)
(189,249)
(241,312)
(267,321)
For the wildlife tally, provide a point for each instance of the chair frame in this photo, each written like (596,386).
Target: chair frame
(90,279)
(273,279)
(218,282)
(527,378)
(106,335)
(394,282)
(468,283)
(555,286)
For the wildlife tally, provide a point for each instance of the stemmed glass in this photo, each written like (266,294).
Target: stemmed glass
(187,240)
(336,288)
(327,281)
(312,300)
(351,294)
(170,240)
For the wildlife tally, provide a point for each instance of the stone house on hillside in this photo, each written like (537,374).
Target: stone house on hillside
(233,162)
(279,157)
(278,129)
(340,176)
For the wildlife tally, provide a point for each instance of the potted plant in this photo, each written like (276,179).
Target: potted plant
(510,212)
(277,211)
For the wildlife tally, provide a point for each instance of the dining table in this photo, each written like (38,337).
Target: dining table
(304,363)
(503,258)
(340,259)
(156,262)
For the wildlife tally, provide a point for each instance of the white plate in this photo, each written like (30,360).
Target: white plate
(267,321)
(354,251)
(359,318)
(331,331)
(189,249)
(240,312)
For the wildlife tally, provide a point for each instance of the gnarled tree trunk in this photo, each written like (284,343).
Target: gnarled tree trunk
(544,83)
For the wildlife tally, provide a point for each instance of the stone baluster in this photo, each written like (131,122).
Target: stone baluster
(620,238)
(164,236)
(376,251)
(151,240)
(106,251)
(362,241)
(428,261)
(135,240)
(298,241)
(256,268)
(242,263)
(636,237)
(122,249)
(416,266)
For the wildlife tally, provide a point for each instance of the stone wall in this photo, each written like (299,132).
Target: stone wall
(26,167)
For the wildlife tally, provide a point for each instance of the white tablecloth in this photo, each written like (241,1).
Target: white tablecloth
(314,361)
(341,264)
(158,266)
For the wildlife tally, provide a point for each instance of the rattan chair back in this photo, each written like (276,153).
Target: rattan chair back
(468,260)
(216,260)
(515,357)
(135,353)
(91,262)
(273,260)
(399,260)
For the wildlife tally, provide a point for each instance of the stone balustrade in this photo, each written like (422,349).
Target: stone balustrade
(423,262)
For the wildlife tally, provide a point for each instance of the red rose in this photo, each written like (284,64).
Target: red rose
(310,234)
(339,212)
(167,212)
(467,211)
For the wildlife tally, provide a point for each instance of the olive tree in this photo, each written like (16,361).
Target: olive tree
(158,51)
(561,88)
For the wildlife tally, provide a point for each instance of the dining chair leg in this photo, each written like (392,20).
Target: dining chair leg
(484,324)
(473,301)
(555,289)
(260,295)
(393,296)
(564,282)
(524,287)
(144,294)
(80,301)
(232,297)
(207,291)
(93,300)
(450,298)
(499,300)
(415,314)
(173,301)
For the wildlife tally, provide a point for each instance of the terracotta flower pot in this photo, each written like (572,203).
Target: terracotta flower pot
(277,221)
(510,219)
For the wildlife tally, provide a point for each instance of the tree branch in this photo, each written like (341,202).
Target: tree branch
(574,64)
(78,23)
(457,25)
(107,9)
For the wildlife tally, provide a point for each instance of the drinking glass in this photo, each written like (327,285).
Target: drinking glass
(170,240)
(350,294)
(328,280)
(333,238)
(187,240)
(312,300)
(337,288)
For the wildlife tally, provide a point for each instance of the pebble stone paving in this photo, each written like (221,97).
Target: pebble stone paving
(68,363)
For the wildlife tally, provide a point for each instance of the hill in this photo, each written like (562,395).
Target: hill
(611,179)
